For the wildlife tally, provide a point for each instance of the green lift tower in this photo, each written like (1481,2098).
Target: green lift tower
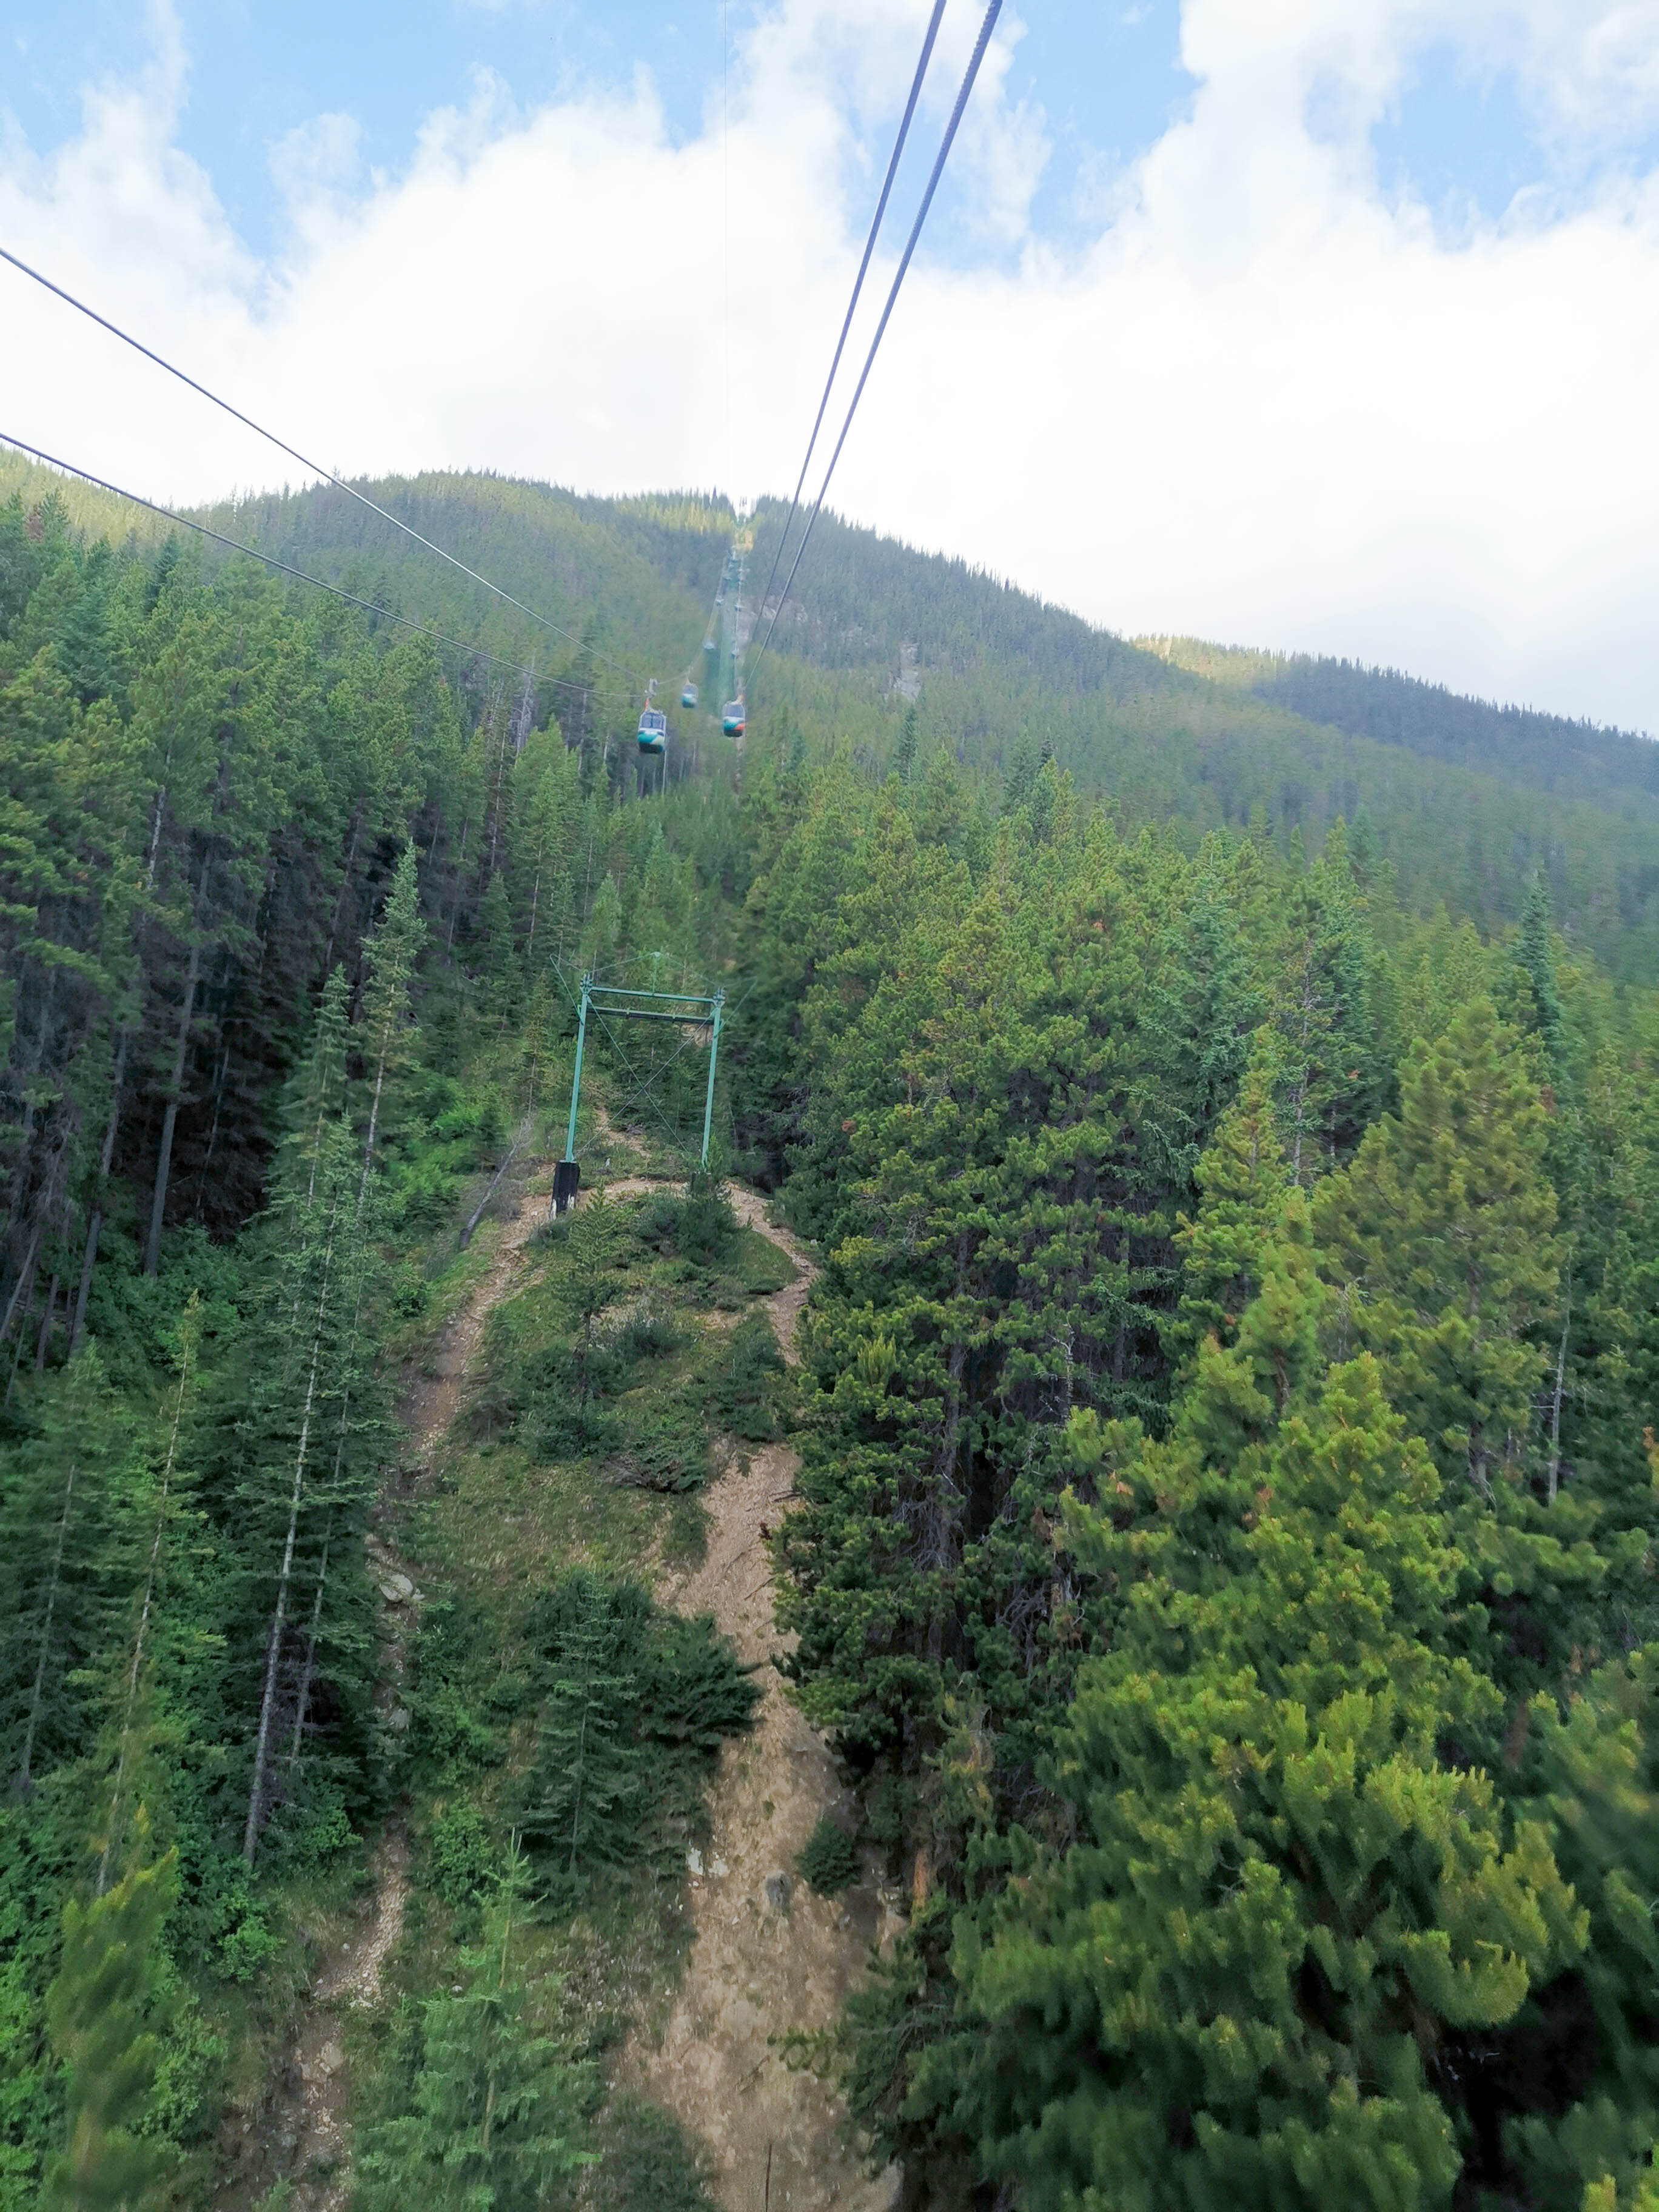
(604,1001)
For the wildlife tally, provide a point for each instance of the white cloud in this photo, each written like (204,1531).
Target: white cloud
(1264,406)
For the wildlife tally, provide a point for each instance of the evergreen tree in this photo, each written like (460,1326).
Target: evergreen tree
(1441,1244)
(166,1506)
(588,1795)
(103,2015)
(904,752)
(1333,1058)
(61,1546)
(314,1354)
(1537,960)
(1244,1184)
(1223,1994)
(496,2119)
(390,957)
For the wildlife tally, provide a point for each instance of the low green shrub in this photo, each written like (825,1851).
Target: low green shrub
(748,1393)
(828,1862)
(666,1450)
(464,1864)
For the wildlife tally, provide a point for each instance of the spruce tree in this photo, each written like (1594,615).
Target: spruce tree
(1244,1184)
(589,1791)
(61,1549)
(390,956)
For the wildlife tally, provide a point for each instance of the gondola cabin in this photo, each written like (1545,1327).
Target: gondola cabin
(732,718)
(689,696)
(654,731)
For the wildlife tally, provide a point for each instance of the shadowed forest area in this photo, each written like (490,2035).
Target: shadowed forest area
(1217,1093)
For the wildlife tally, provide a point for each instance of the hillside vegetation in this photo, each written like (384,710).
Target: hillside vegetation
(1223,1551)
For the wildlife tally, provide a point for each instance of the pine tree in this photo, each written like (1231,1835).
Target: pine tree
(1333,1062)
(165,1511)
(589,1283)
(1243,1183)
(60,1547)
(1440,1241)
(1222,1995)
(315,1353)
(103,2016)
(589,1791)
(904,752)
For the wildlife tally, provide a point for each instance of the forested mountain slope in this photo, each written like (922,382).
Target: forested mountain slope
(1223,1551)
(1614,768)
(1465,801)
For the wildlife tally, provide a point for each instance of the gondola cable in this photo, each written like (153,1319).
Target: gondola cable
(980,45)
(858,287)
(287,567)
(315,467)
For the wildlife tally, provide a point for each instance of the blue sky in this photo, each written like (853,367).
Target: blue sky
(1317,324)
(1107,79)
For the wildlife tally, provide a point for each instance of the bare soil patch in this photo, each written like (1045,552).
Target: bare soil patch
(767,1955)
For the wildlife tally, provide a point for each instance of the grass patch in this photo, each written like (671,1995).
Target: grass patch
(760,1268)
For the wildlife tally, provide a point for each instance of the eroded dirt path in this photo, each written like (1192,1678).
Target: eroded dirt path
(299,2131)
(767,1955)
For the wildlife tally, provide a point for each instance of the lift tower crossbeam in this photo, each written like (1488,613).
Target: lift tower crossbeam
(687,1009)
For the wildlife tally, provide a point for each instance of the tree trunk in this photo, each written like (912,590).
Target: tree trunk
(95,1218)
(279,1621)
(43,1344)
(478,1210)
(345,885)
(45,1637)
(24,1285)
(28,1289)
(170,1119)
(285,1575)
(310,1668)
(1555,1415)
(143,1625)
(213,1128)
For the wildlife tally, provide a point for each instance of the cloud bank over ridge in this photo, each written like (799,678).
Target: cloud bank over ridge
(1273,399)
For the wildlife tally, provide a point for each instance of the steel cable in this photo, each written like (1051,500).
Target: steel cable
(315,467)
(287,567)
(983,40)
(858,287)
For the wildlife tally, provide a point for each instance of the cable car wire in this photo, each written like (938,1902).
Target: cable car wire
(858,287)
(983,40)
(370,606)
(315,467)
